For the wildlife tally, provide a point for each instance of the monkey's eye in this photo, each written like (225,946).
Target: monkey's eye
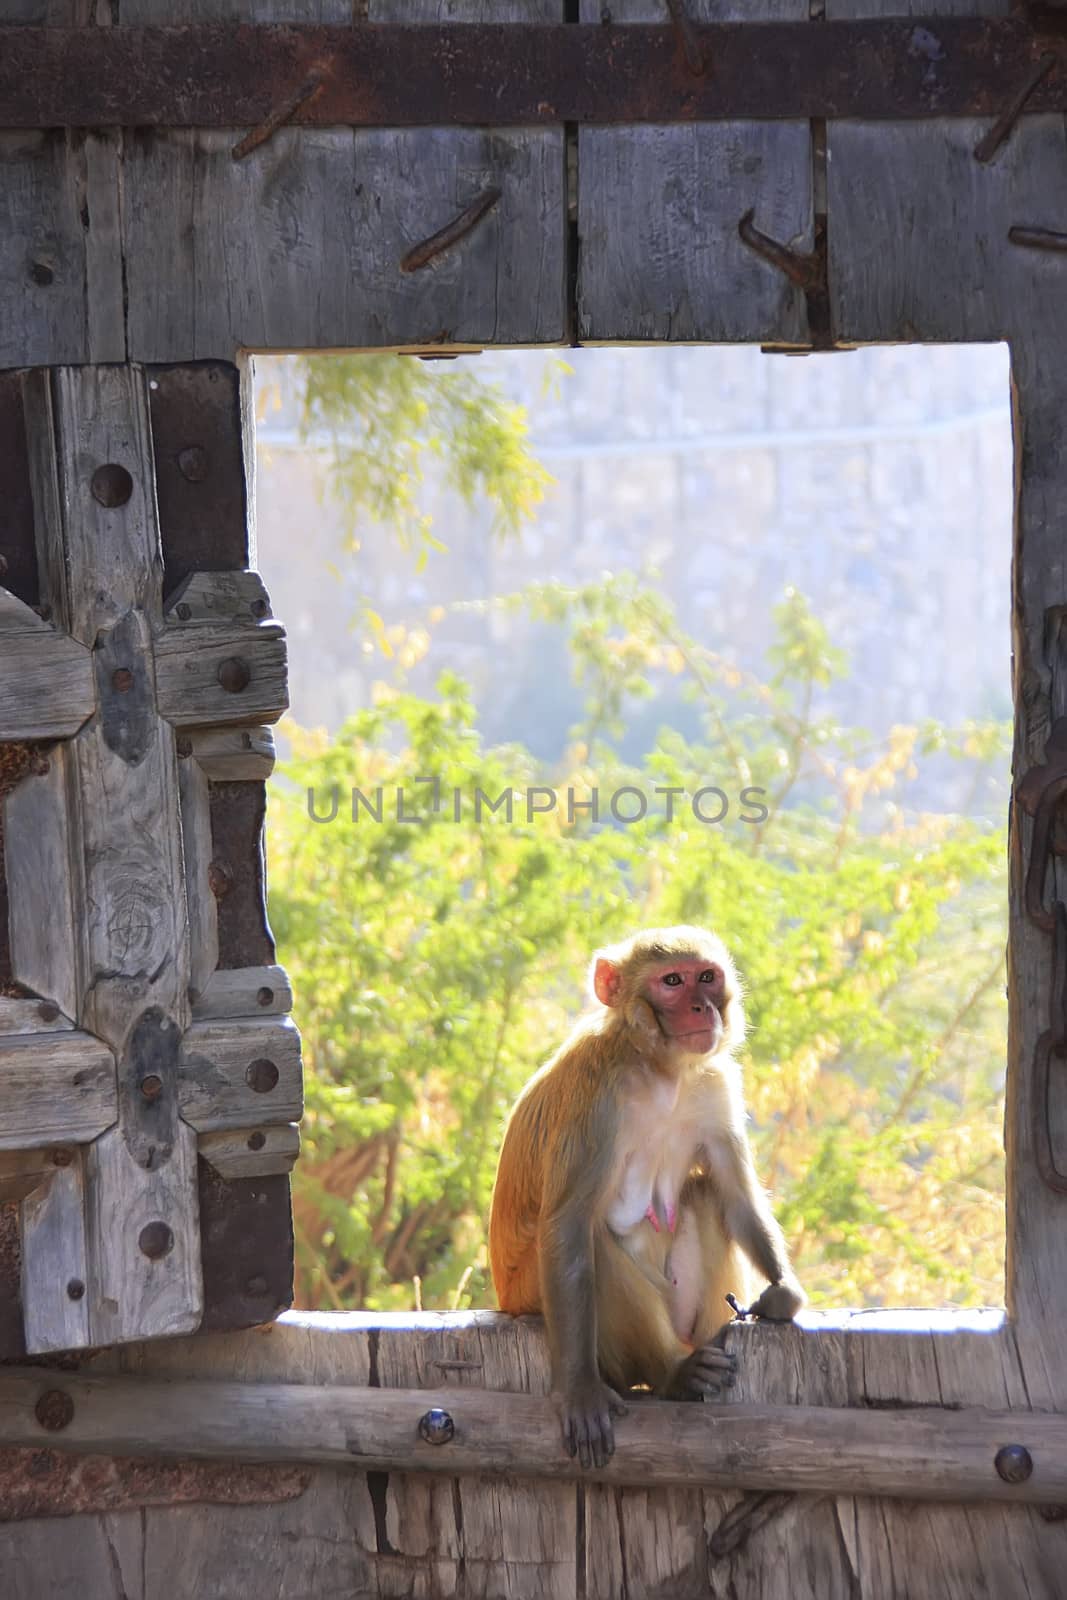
(673,979)
(711,976)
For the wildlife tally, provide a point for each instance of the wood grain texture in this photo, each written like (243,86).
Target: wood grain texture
(234,1153)
(244,992)
(43,869)
(130,1294)
(55,1088)
(658,209)
(52,1236)
(921,1453)
(223,597)
(22,1171)
(31,1016)
(196,852)
(46,685)
(60,266)
(222,1062)
(225,754)
(299,246)
(188,661)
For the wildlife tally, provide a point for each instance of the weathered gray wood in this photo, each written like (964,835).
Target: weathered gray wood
(220,1069)
(235,1153)
(54,1088)
(244,992)
(520,1536)
(918,1453)
(42,869)
(224,597)
(234,753)
(17,617)
(60,268)
(46,685)
(132,1293)
(196,848)
(122,801)
(188,661)
(52,1236)
(658,209)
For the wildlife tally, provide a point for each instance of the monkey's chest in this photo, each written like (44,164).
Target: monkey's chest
(648,1140)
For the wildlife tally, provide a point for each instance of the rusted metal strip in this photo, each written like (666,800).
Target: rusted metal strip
(1038,239)
(501,74)
(310,87)
(51,1483)
(1001,131)
(451,234)
(682,24)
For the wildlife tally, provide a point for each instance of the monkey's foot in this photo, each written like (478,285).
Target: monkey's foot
(703,1375)
(585,1415)
(780,1302)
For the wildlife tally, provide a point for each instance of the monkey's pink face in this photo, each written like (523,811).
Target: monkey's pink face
(689,997)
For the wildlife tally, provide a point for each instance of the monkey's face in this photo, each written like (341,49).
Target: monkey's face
(689,996)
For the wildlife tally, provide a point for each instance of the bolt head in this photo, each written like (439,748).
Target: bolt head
(41,273)
(436,1427)
(122,680)
(54,1410)
(220,879)
(62,1157)
(155,1241)
(151,1086)
(193,463)
(48,1011)
(264,996)
(234,674)
(256,1141)
(75,1289)
(1014,1463)
(111,485)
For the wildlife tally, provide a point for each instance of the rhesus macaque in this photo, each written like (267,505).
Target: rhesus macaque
(626,1204)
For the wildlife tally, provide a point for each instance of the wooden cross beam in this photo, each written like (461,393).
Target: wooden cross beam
(129,1060)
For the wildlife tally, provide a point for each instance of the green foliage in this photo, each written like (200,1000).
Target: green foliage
(389,418)
(437,962)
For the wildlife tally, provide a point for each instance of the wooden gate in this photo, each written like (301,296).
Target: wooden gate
(419,174)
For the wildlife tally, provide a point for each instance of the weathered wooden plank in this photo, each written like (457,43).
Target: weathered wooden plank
(126,848)
(222,597)
(60,267)
(46,685)
(244,992)
(520,1537)
(919,1453)
(196,848)
(209,674)
(659,207)
(41,869)
(55,1088)
(241,1074)
(228,754)
(219,251)
(143,1241)
(17,617)
(55,1312)
(237,1153)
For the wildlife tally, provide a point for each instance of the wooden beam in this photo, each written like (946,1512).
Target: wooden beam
(55,1088)
(915,1454)
(46,689)
(209,674)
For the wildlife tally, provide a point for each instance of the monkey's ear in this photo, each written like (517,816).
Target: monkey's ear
(607,981)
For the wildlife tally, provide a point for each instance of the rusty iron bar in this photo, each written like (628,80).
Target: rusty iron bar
(682,24)
(515,74)
(1002,129)
(422,254)
(307,91)
(1038,239)
(805,270)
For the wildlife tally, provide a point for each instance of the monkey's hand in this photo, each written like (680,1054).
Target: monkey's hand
(585,1414)
(780,1302)
(702,1375)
